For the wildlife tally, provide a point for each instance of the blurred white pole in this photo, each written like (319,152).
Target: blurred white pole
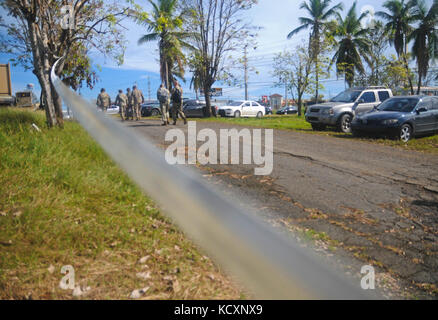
(269,264)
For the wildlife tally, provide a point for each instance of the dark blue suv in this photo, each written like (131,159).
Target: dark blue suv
(403,117)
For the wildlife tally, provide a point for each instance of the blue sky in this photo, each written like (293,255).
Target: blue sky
(276,17)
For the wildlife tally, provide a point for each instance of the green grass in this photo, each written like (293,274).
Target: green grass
(64,202)
(293,122)
(270,122)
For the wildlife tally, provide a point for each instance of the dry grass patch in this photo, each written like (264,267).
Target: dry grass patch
(64,202)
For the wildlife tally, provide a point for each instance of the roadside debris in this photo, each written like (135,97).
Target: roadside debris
(138,293)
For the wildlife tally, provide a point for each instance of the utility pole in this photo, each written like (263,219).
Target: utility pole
(149,88)
(245,65)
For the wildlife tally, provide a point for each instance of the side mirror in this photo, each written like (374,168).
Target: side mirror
(422,109)
(354,107)
(361,101)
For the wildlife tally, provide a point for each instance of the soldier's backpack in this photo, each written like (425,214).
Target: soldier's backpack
(176,96)
(163,95)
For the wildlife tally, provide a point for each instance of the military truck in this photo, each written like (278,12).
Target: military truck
(24,99)
(6,97)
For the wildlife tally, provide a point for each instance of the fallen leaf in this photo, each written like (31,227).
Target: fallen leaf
(143,275)
(143,260)
(51,269)
(176,287)
(17,214)
(138,293)
(78,291)
(114,244)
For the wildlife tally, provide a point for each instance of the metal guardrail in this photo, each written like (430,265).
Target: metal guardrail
(270,265)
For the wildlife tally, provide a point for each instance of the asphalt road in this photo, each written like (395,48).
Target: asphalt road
(376,204)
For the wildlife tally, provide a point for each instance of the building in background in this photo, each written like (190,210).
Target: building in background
(276,101)
(429,91)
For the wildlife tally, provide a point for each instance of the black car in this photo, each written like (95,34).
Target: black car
(288,110)
(197,109)
(403,117)
(150,109)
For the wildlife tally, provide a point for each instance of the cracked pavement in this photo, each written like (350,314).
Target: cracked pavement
(376,204)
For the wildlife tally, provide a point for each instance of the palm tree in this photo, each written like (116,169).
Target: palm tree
(398,24)
(425,37)
(352,44)
(319,12)
(165,25)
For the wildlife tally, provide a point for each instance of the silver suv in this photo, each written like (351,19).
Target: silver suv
(340,111)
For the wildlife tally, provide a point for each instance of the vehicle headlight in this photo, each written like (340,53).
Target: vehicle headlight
(390,121)
(328,111)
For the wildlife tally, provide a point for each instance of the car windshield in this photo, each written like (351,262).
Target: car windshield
(399,105)
(347,96)
(236,104)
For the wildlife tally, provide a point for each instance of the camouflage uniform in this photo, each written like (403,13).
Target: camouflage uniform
(163,95)
(122,102)
(177,106)
(137,97)
(130,110)
(103,101)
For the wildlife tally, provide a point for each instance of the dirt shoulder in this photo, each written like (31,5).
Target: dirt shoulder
(361,203)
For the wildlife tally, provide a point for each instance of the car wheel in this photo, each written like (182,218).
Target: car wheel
(237,114)
(154,113)
(405,133)
(345,123)
(259,115)
(318,127)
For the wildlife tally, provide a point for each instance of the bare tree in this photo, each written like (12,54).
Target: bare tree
(295,69)
(220,28)
(43,31)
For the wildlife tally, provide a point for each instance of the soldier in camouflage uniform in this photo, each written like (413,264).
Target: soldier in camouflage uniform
(129,110)
(122,102)
(103,100)
(177,103)
(138,99)
(163,96)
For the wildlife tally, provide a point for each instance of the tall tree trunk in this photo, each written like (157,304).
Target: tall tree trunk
(207,90)
(420,80)
(408,74)
(317,80)
(42,70)
(405,60)
(316,49)
(166,75)
(49,106)
(57,102)
(300,104)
